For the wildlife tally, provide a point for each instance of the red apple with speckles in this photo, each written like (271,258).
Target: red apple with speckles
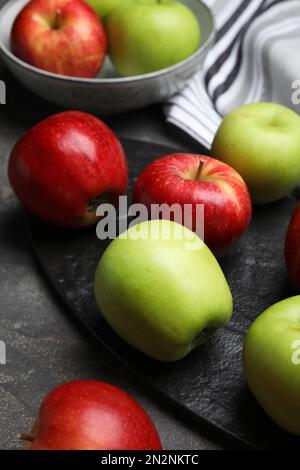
(61,36)
(65,166)
(197,179)
(91,415)
(292,248)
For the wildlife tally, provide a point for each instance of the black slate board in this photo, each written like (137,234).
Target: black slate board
(209,384)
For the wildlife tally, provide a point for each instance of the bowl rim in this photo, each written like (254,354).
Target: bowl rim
(108,81)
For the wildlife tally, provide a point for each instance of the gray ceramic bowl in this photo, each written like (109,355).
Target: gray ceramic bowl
(108,93)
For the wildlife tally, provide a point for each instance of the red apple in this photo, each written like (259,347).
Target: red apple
(91,415)
(197,179)
(65,166)
(60,36)
(292,248)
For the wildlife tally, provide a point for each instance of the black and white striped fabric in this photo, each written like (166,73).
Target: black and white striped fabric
(256,57)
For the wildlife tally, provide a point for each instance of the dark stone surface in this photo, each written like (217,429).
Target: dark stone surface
(44,345)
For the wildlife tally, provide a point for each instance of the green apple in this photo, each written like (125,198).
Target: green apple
(262,142)
(272,362)
(149,35)
(104,7)
(162,290)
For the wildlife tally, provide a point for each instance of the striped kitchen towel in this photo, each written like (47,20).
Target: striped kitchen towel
(255,57)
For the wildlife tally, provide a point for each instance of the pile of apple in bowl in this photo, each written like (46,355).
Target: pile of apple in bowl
(105,56)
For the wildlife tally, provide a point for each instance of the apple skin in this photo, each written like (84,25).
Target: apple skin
(272,373)
(60,36)
(149,35)
(65,166)
(159,295)
(104,7)
(92,415)
(173,179)
(262,142)
(292,248)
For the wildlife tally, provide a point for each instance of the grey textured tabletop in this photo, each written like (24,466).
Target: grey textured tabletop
(45,346)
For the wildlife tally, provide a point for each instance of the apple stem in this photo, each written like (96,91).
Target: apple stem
(26,437)
(200,169)
(57,19)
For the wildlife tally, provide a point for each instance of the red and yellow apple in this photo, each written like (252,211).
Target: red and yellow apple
(91,415)
(292,248)
(61,36)
(196,179)
(65,166)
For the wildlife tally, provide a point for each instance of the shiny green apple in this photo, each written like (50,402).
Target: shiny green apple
(104,7)
(149,35)
(272,362)
(262,142)
(162,290)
